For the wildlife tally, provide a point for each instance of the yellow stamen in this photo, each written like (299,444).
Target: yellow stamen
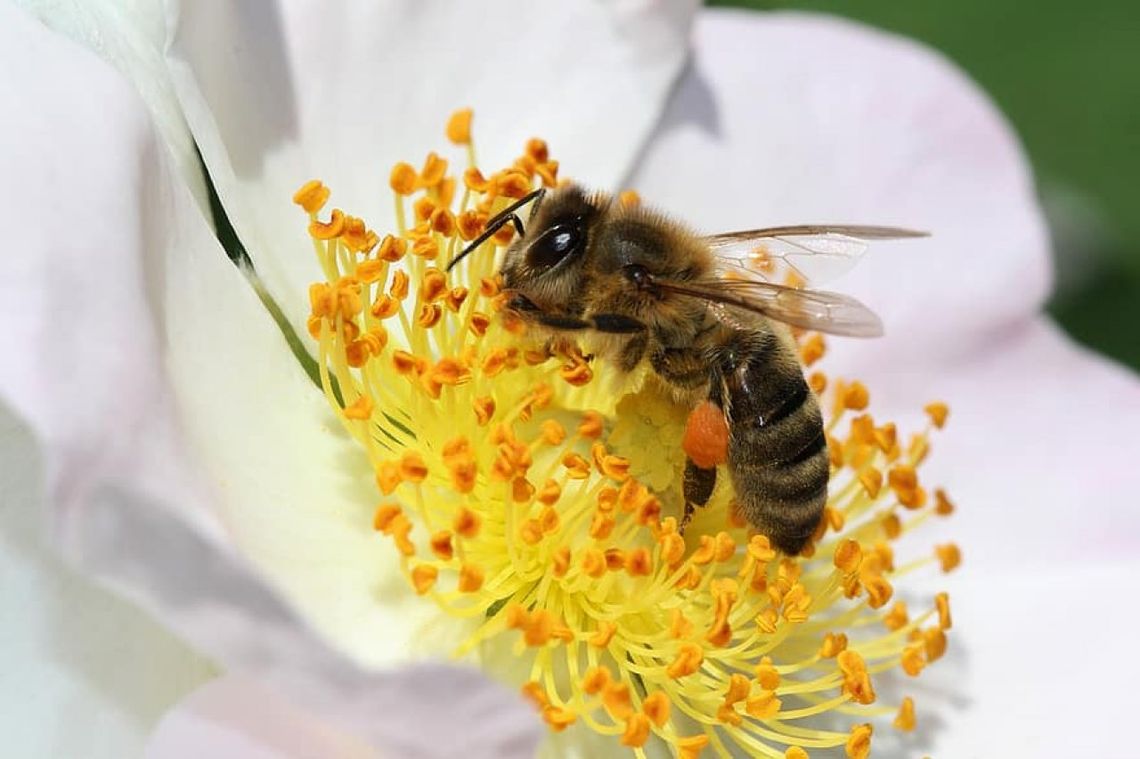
(526,503)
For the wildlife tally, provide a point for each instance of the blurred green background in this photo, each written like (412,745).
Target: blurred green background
(1068,76)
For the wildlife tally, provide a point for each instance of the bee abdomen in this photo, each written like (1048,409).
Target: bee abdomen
(777,452)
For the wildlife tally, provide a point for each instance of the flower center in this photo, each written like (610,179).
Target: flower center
(531,501)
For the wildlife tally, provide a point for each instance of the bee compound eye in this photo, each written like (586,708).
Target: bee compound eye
(554,245)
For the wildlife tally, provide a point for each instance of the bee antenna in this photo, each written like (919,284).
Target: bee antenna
(497,223)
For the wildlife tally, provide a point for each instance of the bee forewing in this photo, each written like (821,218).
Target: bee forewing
(829,312)
(816,253)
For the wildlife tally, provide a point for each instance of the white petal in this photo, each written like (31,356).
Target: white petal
(789,118)
(112,278)
(72,655)
(236,716)
(1038,452)
(131,36)
(277,95)
(1038,666)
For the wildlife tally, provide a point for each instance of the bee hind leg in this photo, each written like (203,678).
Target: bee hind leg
(698,485)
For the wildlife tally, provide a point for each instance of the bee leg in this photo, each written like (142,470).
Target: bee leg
(610,323)
(698,486)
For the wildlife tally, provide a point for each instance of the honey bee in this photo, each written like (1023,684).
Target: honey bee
(710,327)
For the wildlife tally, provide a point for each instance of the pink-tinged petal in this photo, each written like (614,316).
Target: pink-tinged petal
(125,320)
(277,94)
(1039,664)
(1039,449)
(788,118)
(237,716)
(82,673)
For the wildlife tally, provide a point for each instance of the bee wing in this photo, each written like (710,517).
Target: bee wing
(816,252)
(834,313)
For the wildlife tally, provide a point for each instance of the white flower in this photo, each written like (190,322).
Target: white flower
(181,441)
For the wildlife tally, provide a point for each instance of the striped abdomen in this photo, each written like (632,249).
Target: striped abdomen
(777,452)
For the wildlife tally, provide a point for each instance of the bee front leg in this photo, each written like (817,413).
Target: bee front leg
(697,486)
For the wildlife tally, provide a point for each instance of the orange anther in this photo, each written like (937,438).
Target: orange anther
(423,578)
(942,603)
(848,555)
(934,643)
(833,645)
(690,746)
(937,411)
(795,752)
(604,635)
(942,504)
(312,196)
(484,407)
(470,578)
(402,180)
(812,349)
(459,126)
(639,562)
(891,526)
(686,662)
(384,515)
(595,679)
(765,705)
(558,718)
(912,660)
(949,556)
(387,476)
(904,720)
(656,707)
(858,746)
(360,409)
(593,562)
(328,230)
(636,731)
(467,522)
(441,545)
(855,396)
(897,617)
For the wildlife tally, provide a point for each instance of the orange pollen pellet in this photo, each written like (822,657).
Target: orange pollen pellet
(312,196)
(470,578)
(706,436)
(423,578)
(459,126)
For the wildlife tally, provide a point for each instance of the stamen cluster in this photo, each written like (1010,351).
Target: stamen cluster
(528,501)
